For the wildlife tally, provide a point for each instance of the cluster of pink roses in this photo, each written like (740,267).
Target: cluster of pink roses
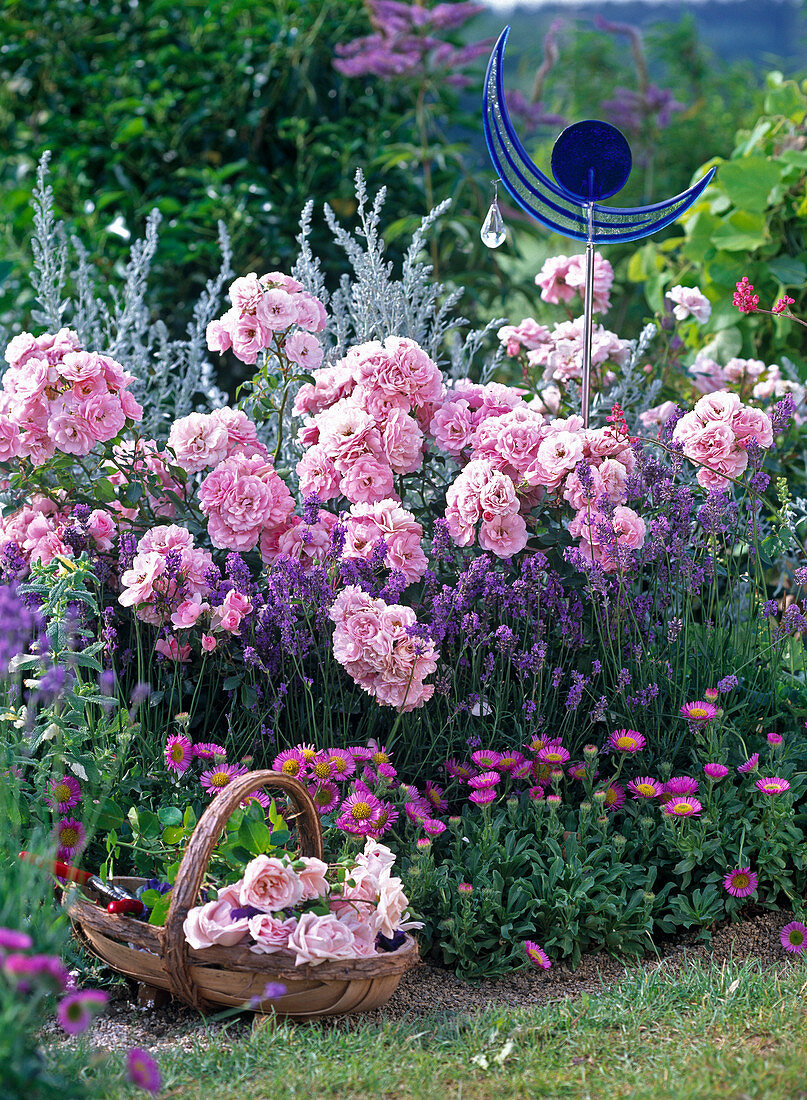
(38,530)
(244,500)
(559,351)
(202,440)
(716,433)
(263,310)
(750,377)
(167,573)
(359,430)
(562,277)
(57,397)
(373,641)
(276,908)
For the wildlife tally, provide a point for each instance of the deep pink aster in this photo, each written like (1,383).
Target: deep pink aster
(76,1010)
(485,758)
(65,793)
(510,761)
(342,763)
(143,1071)
(749,765)
(772,784)
(290,762)
(321,767)
(359,813)
(485,779)
(379,754)
(576,771)
(458,769)
(483,796)
(681,784)
(433,827)
(537,955)
(260,797)
(683,806)
(387,816)
(794,937)
(626,741)
(775,739)
(614,797)
(715,771)
(12,940)
(178,753)
(434,795)
(553,753)
(325,796)
(741,882)
(699,712)
(308,752)
(536,794)
(71,837)
(209,750)
(215,779)
(644,786)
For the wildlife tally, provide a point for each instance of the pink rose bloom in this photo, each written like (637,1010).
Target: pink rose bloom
(246,293)
(130,408)
(304,350)
(552,280)
(218,336)
(461,532)
(404,552)
(71,433)
(170,648)
(497,496)
(249,337)
(138,582)
(10,440)
(331,385)
(614,476)
(579,497)
(316,939)
(711,444)
(311,313)
(312,877)
(392,903)
(104,414)
(22,347)
(101,528)
(209,643)
(558,454)
(269,884)
(720,406)
(453,426)
(348,432)
(402,441)
(168,536)
(603,278)
(741,371)
(188,612)
(689,302)
(529,335)
(707,374)
(274,279)
(242,433)
(277,310)
(749,423)
(198,440)
(367,480)
(630,529)
(658,415)
(270,933)
(380,405)
(503,535)
(210,924)
(317,474)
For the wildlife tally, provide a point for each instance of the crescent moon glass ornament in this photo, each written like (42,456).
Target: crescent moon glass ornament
(591,161)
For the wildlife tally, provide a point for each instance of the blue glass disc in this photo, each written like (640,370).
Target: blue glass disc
(591,160)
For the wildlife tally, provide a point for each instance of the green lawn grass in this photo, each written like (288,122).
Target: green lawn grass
(713,1032)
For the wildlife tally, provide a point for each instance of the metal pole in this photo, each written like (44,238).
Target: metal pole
(588,317)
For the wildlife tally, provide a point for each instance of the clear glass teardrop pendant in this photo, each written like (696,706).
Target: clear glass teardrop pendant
(493,232)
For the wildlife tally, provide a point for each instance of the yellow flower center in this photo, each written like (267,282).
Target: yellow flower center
(380,758)
(360,811)
(610,797)
(338,763)
(740,881)
(698,712)
(68,837)
(290,766)
(219,779)
(177,754)
(322,770)
(626,742)
(683,808)
(308,754)
(62,792)
(646,788)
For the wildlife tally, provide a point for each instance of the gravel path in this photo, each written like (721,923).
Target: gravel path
(429,989)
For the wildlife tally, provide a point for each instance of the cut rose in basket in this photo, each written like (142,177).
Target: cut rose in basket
(307,909)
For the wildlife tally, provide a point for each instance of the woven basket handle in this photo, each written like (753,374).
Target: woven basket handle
(197,855)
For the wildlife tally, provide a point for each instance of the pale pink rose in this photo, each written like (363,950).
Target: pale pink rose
(528,335)
(749,423)
(188,612)
(558,454)
(578,496)
(350,600)
(614,476)
(367,480)
(312,877)
(603,278)
(363,636)
(719,406)
(22,347)
(503,535)
(71,433)
(269,884)
(210,924)
(218,336)
(392,903)
(249,337)
(317,474)
(330,385)
(741,371)
(308,435)
(138,582)
(711,444)
(104,414)
(170,648)
(453,426)
(277,310)
(689,302)
(198,441)
(402,441)
(404,552)
(246,293)
(376,858)
(209,643)
(242,433)
(379,404)
(552,280)
(630,529)
(273,279)
(165,537)
(707,374)
(461,532)
(10,441)
(270,933)
(304,350)
(101,528)
(311,313)
(130,408)
(317,938)
(498,496)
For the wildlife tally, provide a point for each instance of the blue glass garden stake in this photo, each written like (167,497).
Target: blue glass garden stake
(591,161)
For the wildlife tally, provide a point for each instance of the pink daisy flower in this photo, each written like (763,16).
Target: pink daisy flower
(209,750)
(387,816)
(76,1010)
(482,796)
(143,1071)
(359,813)
(794,937)
(360,752)
(260,797)
(342,763)
(576,771)
(683,806)
(775,739)
(321,767)
(715,771)
(553,753)
(417,810)
(178,753)
(535,744)
(71,837)
(523,771)
(644,786)
(681,785)
(433,828)
(749,765)
(325,796)
(510,761)
(308,752)
(434,795)
(458,769)
(626,741)
(65,793)
(741,882)
(614,797)
(486,758)
(379,754)
(699,712)
(215,779)
(486,779)
(772,784)
(536,794)
(290,762)
(537,955)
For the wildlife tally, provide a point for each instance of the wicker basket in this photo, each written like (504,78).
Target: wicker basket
(160,958)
